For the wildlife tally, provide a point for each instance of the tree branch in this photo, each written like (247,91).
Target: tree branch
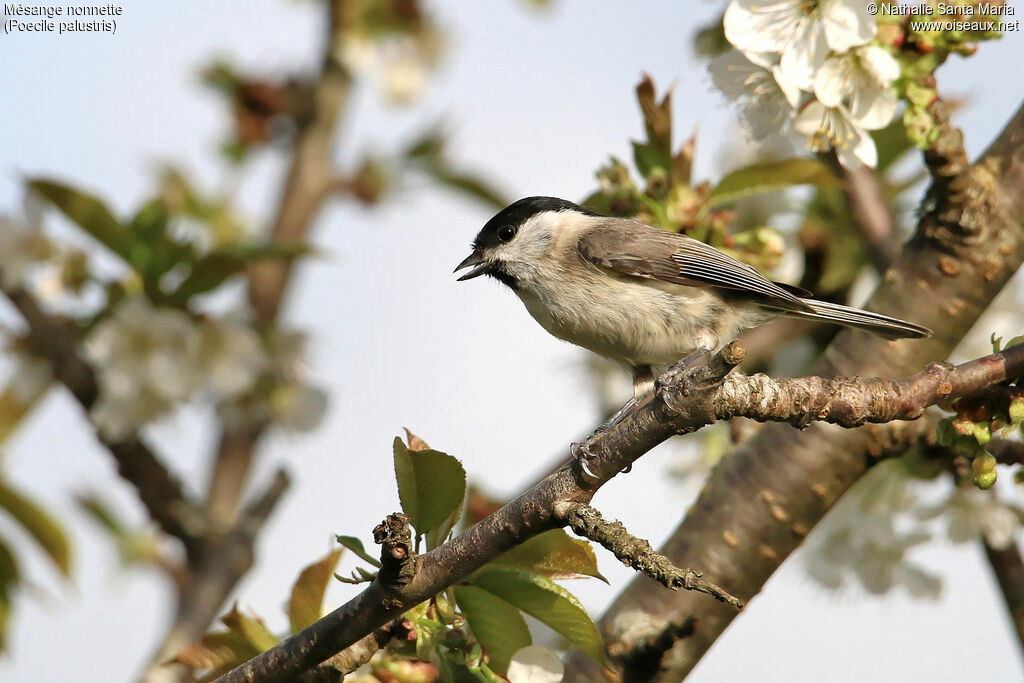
(871,214)
(685,399)
(968,243)
(637,553)
(305,189)
(1008,568)
(160,491)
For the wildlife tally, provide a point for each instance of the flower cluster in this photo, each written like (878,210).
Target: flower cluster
(148,359)
(31,260)
(808,67)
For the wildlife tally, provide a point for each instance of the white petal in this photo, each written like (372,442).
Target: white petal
(808,121)
(832,82)
(847,24)
(535,664)
(788,88)
(873,109)
(765,59)
(729,72)
(861,151)
(804,55)
(879,64)
(753,25)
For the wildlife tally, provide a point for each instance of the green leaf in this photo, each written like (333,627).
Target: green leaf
(553,554)
(547,602)
(89,213)
(431,485)
(769,176)
(356,546)
(306,603)
(497,624)
(216,653)
(213,269)
(39,525)
(466,184)
(648,158)
(254,632)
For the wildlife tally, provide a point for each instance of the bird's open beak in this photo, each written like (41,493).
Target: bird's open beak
(481,266)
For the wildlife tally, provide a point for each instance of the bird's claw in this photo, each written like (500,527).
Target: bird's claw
(582,454)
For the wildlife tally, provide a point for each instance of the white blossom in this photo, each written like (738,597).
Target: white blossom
(801,31)
(972,513)
(147,359)
(860,80)
(298,407)
(535,664)
(404,78)
(767,97)
(231,356)
(834,128)
(22,245)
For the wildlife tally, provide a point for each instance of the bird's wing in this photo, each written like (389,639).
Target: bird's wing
(671,257)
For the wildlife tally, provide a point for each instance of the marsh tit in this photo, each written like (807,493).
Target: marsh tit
(641,296)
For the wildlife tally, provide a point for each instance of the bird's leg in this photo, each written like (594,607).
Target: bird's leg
(678,367)
(643,384)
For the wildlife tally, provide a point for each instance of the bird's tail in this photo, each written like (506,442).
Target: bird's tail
(875,323)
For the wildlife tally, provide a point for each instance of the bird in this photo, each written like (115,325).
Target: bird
(636,294)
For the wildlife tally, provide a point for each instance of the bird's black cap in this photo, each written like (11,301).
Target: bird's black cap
(517,213)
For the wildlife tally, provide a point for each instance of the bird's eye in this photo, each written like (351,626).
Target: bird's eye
(506,232)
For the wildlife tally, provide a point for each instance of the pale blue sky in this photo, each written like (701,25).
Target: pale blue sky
(537,100)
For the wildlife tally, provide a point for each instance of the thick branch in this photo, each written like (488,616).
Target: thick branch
(640,644)
(1008,567)
(360,652)
(684,400)
(968,243)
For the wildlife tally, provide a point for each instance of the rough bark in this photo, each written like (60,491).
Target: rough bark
(968,243)
(685,399)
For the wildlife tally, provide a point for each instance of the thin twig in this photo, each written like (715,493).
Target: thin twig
(637,553)
(871,215)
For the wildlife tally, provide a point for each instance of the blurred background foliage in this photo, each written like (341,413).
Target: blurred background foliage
(144,295)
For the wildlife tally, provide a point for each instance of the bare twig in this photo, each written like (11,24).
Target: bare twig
(871,215)
(685,399)
(637,553)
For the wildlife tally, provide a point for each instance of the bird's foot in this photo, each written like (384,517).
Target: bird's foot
(581,453)
(677,373)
